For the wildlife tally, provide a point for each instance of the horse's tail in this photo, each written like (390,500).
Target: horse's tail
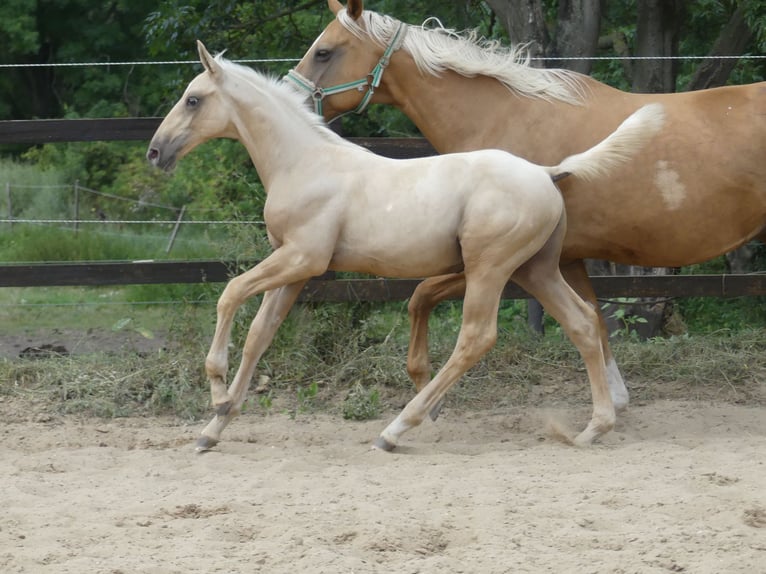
(620,145)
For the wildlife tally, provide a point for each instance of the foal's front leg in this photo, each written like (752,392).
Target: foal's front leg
(287,265)
(274,308)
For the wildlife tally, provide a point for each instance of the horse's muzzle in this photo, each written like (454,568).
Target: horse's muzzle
(155,157)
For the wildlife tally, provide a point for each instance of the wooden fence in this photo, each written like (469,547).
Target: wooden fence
(325,288)
(329,288)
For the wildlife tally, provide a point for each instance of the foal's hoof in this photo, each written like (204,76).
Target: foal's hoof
(205,443)
(384,445)
(436,411)
(224,408)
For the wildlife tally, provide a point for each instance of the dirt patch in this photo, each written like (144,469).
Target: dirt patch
(677,487)
(62,341)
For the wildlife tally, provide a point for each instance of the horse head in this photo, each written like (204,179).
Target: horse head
(196,118)
(343,68)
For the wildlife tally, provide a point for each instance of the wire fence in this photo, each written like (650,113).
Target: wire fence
(186,215)
(295,60)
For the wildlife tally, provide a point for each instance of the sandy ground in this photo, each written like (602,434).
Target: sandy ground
(677,487)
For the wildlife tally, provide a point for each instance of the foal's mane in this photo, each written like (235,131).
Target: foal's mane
(283,96)
(437,49)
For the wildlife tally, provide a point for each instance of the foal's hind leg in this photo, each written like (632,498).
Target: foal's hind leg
(478,334)
(576,275)
(274,308)
(580,322)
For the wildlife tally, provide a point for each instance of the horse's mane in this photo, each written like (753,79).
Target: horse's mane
(283,95)
(437,49)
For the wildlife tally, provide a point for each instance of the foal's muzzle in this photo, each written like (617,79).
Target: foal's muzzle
(165,161)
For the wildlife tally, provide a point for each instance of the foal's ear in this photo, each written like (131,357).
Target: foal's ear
(335,6)
(207,61)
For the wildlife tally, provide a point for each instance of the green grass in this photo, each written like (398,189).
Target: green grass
(321,361)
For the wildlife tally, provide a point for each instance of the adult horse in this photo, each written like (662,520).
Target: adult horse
(698,191)
(333,205)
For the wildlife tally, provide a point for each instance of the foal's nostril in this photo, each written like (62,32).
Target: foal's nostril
(153,154)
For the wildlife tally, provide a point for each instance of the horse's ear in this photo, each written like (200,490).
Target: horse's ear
(335,6)
(207,61)
(354,8)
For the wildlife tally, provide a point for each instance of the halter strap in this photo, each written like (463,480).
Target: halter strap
(370,82)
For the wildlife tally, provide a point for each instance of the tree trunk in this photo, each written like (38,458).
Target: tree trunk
(524,22)
(579,23)
(732,41)
(657,34)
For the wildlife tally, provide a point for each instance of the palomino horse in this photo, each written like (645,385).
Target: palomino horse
(698,191)
(487,215)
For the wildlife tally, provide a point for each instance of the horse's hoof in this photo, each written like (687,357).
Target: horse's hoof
(205,443)
(384,445)
(436,411)
(224,408)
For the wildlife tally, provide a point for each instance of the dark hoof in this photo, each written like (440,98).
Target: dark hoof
(223,409)
(205,443)
(382,444)
(436,411)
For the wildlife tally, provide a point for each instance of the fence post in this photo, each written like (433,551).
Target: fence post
(76,204)
(10,205)
(175,230)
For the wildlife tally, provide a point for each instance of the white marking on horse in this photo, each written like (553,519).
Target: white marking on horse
(670,185)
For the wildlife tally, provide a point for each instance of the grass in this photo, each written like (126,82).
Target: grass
(320,362)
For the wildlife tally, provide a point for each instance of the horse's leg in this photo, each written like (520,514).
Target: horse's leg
(478,333)
(426,296)
(577,276)
(542,278)
(286,265)
(274,308)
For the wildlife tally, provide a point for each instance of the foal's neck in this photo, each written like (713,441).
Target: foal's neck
(276,137)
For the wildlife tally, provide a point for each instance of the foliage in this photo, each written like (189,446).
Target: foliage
(362,403)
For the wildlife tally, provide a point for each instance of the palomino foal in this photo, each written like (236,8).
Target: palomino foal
(333,205)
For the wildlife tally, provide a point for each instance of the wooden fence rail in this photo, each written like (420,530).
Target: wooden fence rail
(137,129)
(329,288)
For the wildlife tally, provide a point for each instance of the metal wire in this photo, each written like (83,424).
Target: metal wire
(141,63)
(292,60)
(133,221)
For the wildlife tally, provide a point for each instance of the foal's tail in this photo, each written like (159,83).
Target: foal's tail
(620,145)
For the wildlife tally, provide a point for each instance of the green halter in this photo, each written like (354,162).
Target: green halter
(370,82)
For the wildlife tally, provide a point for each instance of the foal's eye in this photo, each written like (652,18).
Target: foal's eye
(322,54)
(192,101)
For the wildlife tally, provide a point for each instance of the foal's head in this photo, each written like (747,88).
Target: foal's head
(200,115)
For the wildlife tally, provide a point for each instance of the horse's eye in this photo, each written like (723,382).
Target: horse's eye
(192,101)
(322,54)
